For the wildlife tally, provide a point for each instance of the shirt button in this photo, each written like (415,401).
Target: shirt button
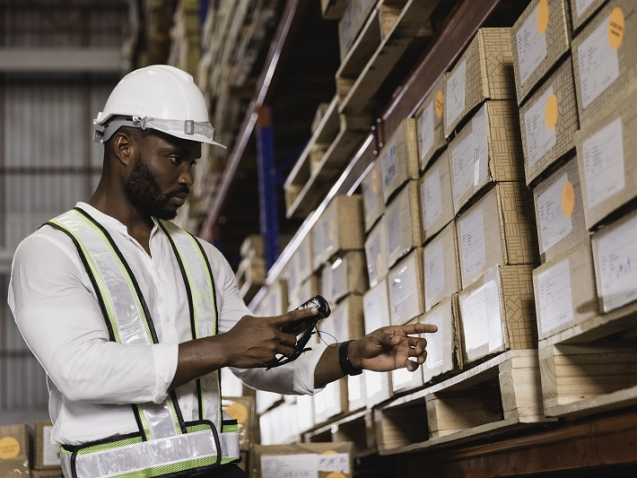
(186,406)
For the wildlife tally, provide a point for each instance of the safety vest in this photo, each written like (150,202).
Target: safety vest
(165,444)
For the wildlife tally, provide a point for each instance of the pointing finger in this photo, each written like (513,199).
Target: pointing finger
(419,329)
(293,315)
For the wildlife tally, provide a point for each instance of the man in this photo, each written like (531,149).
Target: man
(132,318)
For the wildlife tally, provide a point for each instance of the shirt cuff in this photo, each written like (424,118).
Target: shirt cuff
(165,357)
(304,367)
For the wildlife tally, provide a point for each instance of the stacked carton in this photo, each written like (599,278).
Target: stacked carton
(303,459)
(251,270)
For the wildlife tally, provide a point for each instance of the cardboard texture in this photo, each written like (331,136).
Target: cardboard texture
(340,228)
(351,23)
(376,315)
(303,459)
(607,160)
(548,122)
(331,401)
(559,212)
(373,199)
(615,257)
(444,350)
(497,230)
(345,322)
(57,473)
(406,289)
(402,380)
(605,59)
(565,293)
(242,409)
(430,124)
(308,289)
(14,451)
(583,10)
(436,199)
(539,39)
(498,313)
(377,253)
(399,158)
(47,455)
(487,150)
(441,266)
(402,221)
(483,72)
(343,275)
(252,246)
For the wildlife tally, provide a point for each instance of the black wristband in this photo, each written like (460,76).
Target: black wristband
(343,361)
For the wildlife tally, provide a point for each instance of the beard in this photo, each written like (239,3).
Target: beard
(145,193)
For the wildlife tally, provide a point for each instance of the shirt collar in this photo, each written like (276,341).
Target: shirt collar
(109,221)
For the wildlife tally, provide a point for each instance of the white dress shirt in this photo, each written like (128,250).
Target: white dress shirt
(93,381)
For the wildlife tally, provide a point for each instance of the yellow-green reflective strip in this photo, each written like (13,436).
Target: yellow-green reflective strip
(110,446)
(100,282)
(167,469)
(211,282)
(230,429)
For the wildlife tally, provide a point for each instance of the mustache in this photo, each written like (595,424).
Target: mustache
(175,192)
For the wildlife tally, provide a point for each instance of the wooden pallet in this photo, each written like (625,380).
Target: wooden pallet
(357,427)
(314,172)
(250,276)
(591,367)
(497,396)
(412,22)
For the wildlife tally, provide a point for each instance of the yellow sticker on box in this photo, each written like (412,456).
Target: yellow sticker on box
(551,112)
(616,27)
(238,411)
(543,16)
(568,199)
(9,448)
(375,181)
(440,102)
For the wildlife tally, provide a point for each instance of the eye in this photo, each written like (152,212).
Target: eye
(176,159)
(193,164)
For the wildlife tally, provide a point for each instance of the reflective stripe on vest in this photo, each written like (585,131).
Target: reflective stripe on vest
(166,444)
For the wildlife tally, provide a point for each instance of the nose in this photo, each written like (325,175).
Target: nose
(186,177)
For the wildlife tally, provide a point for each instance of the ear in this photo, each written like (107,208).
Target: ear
(125,147)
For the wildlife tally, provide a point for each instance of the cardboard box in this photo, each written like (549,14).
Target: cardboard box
(406,289)
(14,451)
(402,219)
(483,72)
(605,59)
(582,10)
(402,380)
(548,122)
(304,292)
(346,321)
(343,275)
(266,400)
(376,315)
(252,246)
(305,408)
(275,301)
(441,266)
(399,158)
(540,38)
(430,124)
(488,149)
(559,212)
(340,228)
(331,401)
(47,455)
(356,392)
(56,473)
(436,199)
(373,199)
(304,257)
(377,252)
(497,230)
(444,350)
(607,160)
(276,426)
(242,409)
(303,459)
(351,22)
(498,313)
(615,256)
(565,293)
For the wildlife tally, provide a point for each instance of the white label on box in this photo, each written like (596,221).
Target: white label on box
(388,160)
(463,157)
(355,387)
(404,293)
(481,316)
(401,376)
(473,247)
(373,383)
(431,197)
(617,256)
(556,298)
(425,127)
(455,97)
(339,324)
(435,342)
(531,46)
(376,308)
(304,465)
(604,163)
(582,5)
(539,138)
(434,271)
(554,224)
(51,453)
(395,225)
(338,275)
(334,463)
(480,147)
(598,64)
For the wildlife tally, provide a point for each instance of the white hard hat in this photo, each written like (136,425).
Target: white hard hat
(159,97)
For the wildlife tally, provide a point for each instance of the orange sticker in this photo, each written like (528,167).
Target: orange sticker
(439,105)
(330,452)
(9,448)
(616,27)
(375,181)
(543,16)
(238,411)
(551,112)
(336,474)
(568,199)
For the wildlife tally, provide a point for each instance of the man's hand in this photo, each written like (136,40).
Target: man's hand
(391,347)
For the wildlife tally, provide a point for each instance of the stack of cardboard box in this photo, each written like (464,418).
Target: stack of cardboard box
(20,459)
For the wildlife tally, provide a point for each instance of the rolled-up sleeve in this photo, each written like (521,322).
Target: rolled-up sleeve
(58,314)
